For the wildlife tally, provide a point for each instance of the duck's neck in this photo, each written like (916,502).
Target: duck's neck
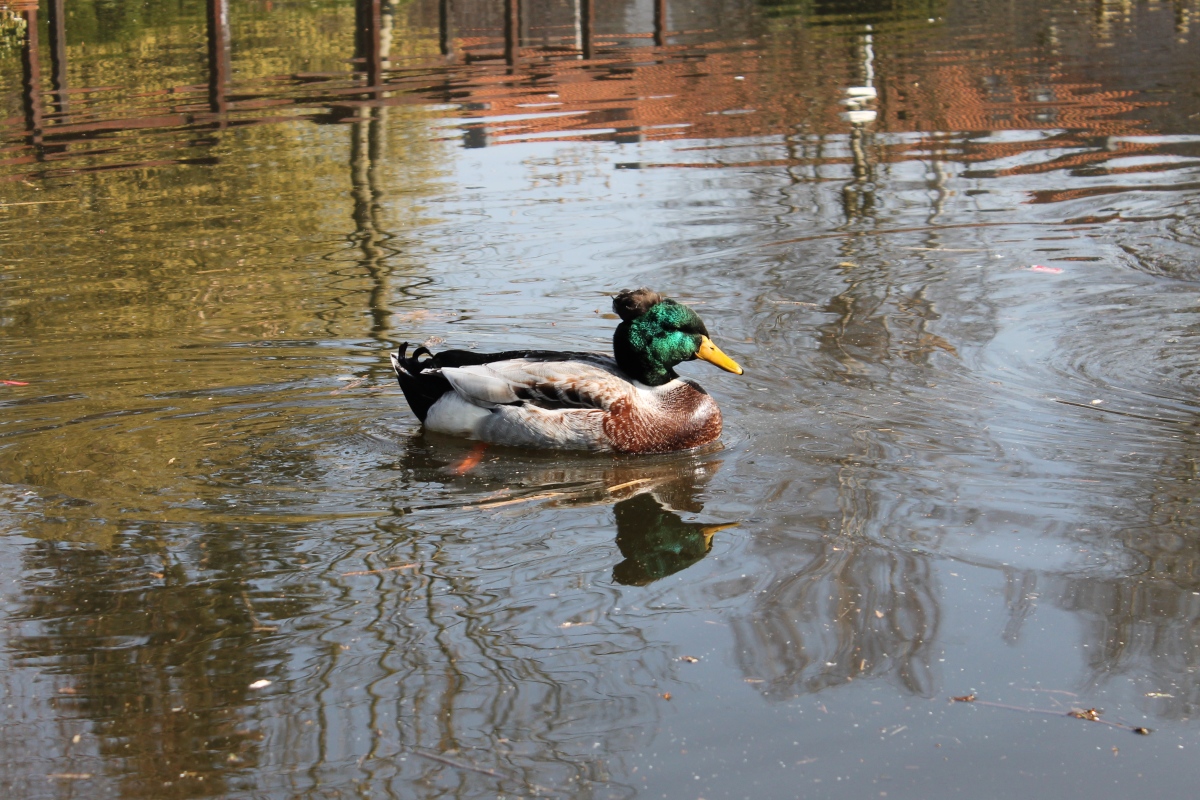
(635,351)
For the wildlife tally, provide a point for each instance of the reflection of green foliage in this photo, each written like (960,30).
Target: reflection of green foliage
(94,21)
(165,42)
(12,30)
(864,11)
(119,20)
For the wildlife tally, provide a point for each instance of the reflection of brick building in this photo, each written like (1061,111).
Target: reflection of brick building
(961,92)
(668,92)
(788,82)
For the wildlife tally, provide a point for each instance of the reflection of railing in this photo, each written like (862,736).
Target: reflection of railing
(218,56)
(31,72)
(37,128)
(49,130)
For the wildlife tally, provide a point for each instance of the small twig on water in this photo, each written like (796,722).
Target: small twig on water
(1089,714)
(351,385)
(35,203)
(528,499)
(450,762)
(627,484)
(258,626)
(456,764)
(381,569)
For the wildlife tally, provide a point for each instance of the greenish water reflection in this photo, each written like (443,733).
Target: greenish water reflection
(657,542)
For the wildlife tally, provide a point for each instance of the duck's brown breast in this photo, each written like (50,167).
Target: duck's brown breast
(682,418)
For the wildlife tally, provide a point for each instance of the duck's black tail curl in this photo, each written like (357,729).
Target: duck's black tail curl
(422,388)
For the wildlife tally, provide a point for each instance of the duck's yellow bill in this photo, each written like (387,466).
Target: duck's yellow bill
(710,530)
(713,355)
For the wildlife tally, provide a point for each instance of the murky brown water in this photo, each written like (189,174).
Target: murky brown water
(963,457)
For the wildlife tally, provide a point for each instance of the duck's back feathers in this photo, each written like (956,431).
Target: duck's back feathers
(581,382)
(551,378)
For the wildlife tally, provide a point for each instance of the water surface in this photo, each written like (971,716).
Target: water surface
(963,458)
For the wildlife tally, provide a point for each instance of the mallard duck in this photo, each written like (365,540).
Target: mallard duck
(631,403)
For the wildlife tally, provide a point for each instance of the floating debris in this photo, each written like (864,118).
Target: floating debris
(1089,714)
(1085,713)
(527,499)
(381,569)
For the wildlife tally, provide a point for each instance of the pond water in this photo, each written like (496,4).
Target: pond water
(954,244)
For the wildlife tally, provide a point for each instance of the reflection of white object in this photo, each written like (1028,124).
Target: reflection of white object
(859,117)
(861,91)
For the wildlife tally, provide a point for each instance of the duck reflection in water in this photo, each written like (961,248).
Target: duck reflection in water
(657,542)
(651,497)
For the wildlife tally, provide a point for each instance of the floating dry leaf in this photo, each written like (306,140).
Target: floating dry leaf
(1085,713)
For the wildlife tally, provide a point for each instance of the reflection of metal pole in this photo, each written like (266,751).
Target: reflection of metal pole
(578,28)
(369,44)
(444,27)
(372,45)
(387,15)
(587,25)
(858,196)
(32,74)
(660,22)
(512,31)
(366,154)
(218,55)
(58,56)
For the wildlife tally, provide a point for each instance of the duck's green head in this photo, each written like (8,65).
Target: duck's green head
(657,333)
